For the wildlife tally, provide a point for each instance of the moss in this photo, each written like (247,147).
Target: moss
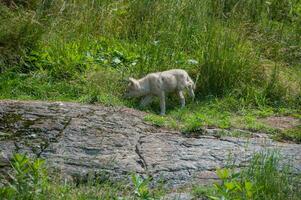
(13,125)
(10,118)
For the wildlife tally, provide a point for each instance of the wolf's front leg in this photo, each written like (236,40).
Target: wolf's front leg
(146,100)
(182,98)
(191,92)
(162,103)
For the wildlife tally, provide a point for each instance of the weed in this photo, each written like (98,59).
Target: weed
(266,177)
(141,187)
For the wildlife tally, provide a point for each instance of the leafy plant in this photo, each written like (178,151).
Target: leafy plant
(231,187)
(141,187)
(29,179)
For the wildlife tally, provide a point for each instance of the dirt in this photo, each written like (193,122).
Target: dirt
(282,122)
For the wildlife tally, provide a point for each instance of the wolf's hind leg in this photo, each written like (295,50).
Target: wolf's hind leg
(162,103)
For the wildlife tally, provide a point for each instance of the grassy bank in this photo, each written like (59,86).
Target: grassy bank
(246,51)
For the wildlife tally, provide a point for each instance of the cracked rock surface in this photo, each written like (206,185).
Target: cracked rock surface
(79,140)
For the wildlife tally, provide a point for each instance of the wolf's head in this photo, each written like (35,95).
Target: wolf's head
(133,89)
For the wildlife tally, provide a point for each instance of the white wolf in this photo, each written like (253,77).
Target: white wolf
(160,83)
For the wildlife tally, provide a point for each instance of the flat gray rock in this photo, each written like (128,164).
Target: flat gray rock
(177,196)
(79,140)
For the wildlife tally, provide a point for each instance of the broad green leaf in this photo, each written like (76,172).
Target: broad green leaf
(230,185)
(223,173)
(248,185)
(214,198)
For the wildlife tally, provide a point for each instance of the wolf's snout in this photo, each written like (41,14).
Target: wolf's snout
(126,95)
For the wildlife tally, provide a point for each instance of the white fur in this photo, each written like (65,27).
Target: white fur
(160,83)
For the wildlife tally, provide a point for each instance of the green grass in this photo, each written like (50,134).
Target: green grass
(293,134)
(226,114)
(266,177)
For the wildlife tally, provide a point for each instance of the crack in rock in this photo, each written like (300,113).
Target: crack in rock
(141,160)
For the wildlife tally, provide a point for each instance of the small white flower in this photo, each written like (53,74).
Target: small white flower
(192,61)
(156,42)
(88,54)
(116,60)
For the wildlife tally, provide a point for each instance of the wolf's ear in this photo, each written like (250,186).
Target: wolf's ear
(132,80)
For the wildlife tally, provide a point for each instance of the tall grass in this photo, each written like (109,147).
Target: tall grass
(222,41)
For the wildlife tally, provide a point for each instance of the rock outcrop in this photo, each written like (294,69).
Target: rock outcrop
(77,140)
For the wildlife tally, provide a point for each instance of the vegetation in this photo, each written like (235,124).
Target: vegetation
(29,180)
(246,51)
(223,114)
(266,177)
(262,179)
